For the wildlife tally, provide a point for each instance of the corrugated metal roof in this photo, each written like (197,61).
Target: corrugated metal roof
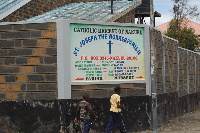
(9,6)
(91,11)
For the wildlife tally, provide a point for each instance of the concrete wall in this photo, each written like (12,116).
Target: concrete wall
(28,86)
(166,63)
(177,69)
(55,116)
(170,105)
(28,71)
(177,78)
(28,61)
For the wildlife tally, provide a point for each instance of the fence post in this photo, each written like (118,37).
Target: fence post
(195,72)
(188,86)
(153,81)
(163,63)
(178,68)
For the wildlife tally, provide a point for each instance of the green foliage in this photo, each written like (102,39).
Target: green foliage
(186,36)
(178,29)
(188,39)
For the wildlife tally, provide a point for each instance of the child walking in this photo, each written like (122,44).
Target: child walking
(115,112)
(84,110)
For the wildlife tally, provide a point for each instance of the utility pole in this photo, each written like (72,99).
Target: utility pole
(153,69)
(152,14)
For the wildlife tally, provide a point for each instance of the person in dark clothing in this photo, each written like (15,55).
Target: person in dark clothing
(84,110)
(115,112)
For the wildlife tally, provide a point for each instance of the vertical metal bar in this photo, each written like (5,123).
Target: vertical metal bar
(195,73)
(111,6)
(154,111)
(151,14)
(153,80)
(147,61)
(188,86)
(139,17)
(154,92)
(178,68)
(163,64)
(63,57)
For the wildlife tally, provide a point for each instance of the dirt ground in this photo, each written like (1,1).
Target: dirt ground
(187,123)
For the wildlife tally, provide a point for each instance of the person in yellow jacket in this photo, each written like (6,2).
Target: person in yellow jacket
(115,112)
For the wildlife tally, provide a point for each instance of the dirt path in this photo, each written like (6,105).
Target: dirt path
(187,123)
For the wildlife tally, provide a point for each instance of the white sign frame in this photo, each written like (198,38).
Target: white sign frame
(63,58)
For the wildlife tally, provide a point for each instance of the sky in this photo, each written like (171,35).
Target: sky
(165,8)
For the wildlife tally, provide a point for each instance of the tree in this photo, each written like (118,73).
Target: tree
(185,35)
(178,28)
(182,10)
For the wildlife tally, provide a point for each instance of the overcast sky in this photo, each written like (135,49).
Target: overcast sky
(165,8)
